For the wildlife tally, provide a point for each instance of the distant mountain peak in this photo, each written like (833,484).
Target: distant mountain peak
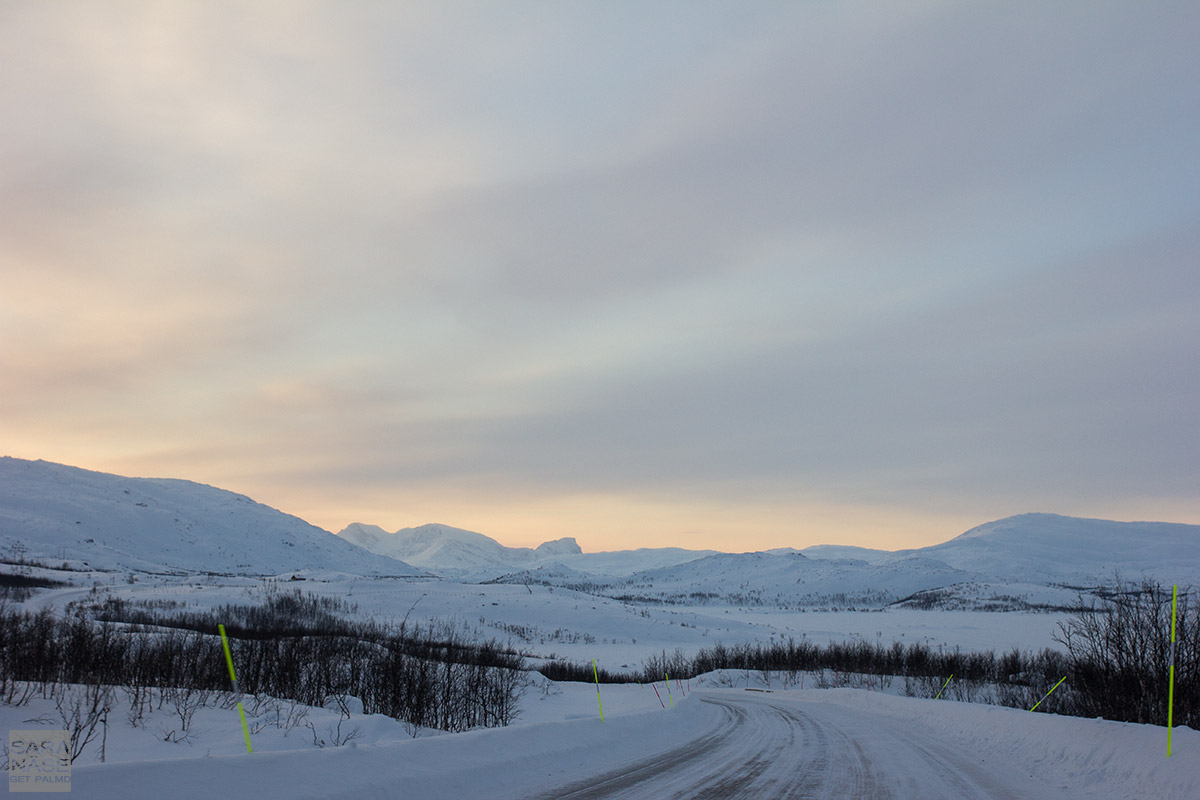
(1021,521)
(462,554)
(566,544)
(1061,548)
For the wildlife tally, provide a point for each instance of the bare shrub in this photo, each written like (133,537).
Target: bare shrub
(183,702)
(927,686)
(83,712)
(271,712)
(1119,649)
(141,700)
(335,734)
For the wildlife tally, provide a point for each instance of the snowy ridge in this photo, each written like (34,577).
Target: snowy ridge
(1029,548)
(1054,548)
(58,513)
(1023,562)
(786,579)
(867,554)
(462,554)
(452,552)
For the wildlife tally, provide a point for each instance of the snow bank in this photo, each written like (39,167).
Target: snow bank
(562,741)
(1094,758)
(490,763)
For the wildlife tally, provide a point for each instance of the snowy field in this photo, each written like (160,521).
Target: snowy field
(556,623)
(654,741)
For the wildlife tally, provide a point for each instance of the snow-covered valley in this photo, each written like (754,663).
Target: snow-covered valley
(74,541)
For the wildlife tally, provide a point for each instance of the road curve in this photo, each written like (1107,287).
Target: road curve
(771,746)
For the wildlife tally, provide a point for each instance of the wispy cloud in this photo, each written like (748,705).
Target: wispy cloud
(936,259)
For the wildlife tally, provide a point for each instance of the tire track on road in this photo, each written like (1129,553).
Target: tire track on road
(796,749)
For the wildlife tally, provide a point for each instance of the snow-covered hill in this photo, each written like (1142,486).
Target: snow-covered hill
(826,551)
(1049,548)
(1018,562)
(58,513)
(1029,548)
(453,552)
(783,580)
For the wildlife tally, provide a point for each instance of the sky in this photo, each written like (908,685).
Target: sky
(728,275)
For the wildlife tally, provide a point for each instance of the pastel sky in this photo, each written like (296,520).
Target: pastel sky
(710,274)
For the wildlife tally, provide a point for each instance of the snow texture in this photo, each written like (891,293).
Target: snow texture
(60,513)
(828,743)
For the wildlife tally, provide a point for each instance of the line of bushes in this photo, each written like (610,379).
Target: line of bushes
(425,675)
(18,587)
(1117,650)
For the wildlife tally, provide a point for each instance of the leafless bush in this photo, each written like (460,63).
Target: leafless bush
(430,675)
(83,712)
(1119,648)
(336,736)
(1018,695)
(723,678)
(926,686)
(269,712)
(969,690)
(183,702)
(141,700)
(18,693)
(826,679)
(675,663)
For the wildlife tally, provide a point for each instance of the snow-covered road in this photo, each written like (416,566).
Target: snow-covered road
(768,746)
(716,743)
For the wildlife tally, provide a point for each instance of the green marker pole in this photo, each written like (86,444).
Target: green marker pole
(596,675)
(1171,680)
(1052,688)
(944,685)
(232,677)
(667,675)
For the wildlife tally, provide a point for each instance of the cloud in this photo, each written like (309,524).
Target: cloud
(931,254)
(1064,382)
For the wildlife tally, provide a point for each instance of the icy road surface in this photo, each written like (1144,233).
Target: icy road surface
(716,743)
(769,747)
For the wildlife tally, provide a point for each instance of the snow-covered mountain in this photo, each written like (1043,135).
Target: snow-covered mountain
(430,546)
(1018,562)
(58,513)
(1049,548)
(453,552)
(782,579)
(457,553)
(825,551)
(1025,550)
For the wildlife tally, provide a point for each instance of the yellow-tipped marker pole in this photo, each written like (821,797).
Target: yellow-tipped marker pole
(1171,679)
(1052,688)
(238,692)
(596,675)
(670,697)
(944,685)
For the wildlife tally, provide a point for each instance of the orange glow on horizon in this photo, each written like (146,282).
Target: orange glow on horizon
(599,522)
